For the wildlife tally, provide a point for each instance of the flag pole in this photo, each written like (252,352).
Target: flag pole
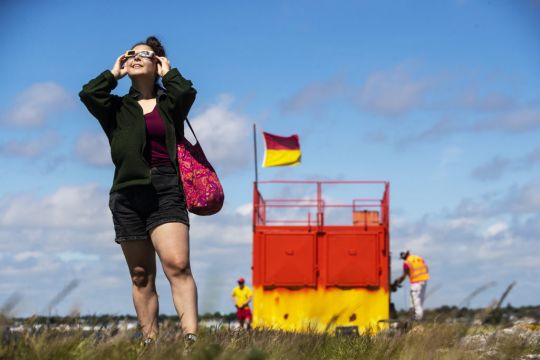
(255,153)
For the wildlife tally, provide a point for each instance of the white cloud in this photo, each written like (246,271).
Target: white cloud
(498,166)
(491,170)
(442,128)
(315,94)
(522,199)
(450,156)
(514,121)
(35,104)
(393,92)
(93,148)
(471,99)
(46,241)
(517,119)
(27,255)
(457,223)
(39,268)
(77,256)
(30,148)
(224,135)
(518,200)
(68,207)
(245,210)
(422,241)
(495,229)
(222,230)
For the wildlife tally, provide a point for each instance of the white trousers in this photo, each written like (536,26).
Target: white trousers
(418,293)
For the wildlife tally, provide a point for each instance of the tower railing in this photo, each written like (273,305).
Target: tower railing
(295,211)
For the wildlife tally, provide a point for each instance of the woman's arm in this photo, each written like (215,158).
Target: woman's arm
(96,95)
(180,93)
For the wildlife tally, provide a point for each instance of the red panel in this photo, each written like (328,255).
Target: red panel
(289,259)
(353,259)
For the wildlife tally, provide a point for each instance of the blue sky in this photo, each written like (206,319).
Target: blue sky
(439,98)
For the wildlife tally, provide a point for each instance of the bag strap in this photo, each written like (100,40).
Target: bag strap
(190,128)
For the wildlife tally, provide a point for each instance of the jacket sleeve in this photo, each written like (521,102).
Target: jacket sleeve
(180,94)
(96,96)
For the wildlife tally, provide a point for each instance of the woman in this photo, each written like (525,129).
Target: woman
(147,199)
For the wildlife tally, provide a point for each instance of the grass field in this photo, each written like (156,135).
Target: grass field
(422,341)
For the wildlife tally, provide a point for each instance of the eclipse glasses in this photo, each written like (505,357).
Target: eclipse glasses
(143,54)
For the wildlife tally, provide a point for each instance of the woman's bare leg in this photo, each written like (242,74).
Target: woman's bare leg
(141,259)
(171,241)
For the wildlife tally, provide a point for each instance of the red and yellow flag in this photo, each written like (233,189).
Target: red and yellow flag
(281,150)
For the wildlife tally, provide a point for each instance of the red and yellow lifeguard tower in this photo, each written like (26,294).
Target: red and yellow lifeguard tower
(321,264)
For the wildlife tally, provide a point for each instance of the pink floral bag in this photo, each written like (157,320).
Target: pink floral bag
(203,191)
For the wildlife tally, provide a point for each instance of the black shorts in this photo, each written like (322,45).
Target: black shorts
(138,209)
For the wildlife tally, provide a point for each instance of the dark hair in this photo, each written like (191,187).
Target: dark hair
(154,43)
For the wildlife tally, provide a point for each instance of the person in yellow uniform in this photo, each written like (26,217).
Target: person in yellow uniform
(416,268)
(241,295)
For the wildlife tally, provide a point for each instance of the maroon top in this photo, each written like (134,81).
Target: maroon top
(156,151)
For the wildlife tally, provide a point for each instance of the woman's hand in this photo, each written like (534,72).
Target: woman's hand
(163,65)
(119,70)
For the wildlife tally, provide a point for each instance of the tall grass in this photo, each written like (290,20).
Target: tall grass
(426,341)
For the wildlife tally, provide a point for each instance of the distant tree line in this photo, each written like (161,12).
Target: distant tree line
(443,313)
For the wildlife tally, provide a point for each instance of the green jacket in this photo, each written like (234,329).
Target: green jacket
(122,119)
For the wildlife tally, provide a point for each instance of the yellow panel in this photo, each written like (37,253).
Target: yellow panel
(320,310)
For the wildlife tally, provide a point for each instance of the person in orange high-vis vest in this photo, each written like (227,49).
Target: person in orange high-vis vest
(415,267)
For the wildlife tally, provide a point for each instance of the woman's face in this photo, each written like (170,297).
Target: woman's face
(141,66)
